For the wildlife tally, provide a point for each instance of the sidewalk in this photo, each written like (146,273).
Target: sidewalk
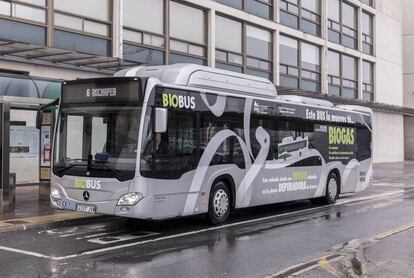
(29,211)
(390,256)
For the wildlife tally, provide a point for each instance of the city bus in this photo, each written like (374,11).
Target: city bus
(157,142)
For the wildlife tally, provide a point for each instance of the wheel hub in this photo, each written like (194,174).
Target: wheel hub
(221,203)
(332,188)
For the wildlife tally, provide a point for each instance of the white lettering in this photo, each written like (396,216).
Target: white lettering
(93,184)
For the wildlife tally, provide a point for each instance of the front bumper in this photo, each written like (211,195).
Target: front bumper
(143,209)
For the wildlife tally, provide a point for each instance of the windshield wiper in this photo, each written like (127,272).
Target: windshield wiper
(98,162)
(60,171)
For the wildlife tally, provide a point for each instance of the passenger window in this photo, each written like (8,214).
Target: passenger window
(305,129)
(268,124)
(229,151)
(175,151)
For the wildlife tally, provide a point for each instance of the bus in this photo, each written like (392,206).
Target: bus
(157,142)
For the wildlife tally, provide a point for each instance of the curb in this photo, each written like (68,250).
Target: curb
(53,223)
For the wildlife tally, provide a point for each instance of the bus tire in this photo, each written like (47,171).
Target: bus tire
(332,189)
(219,203)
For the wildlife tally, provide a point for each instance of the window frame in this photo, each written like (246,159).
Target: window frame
(368,88)
(244,66)
(300,17)
(170,38)
(341,77)
(244,6)
(339,27)
(300,78)
(26,20)
(368,39)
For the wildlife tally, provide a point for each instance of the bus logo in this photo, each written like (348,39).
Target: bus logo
(177,101)
(86,195)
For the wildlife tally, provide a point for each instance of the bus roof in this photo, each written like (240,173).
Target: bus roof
(203,77)
(206,77)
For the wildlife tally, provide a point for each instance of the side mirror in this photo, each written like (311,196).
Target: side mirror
(39,119)
(161,120)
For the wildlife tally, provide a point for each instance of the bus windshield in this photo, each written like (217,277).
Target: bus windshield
(99,140)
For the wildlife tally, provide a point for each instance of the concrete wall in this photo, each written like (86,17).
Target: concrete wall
(388,130)
(389,82)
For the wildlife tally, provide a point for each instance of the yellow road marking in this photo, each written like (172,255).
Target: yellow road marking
(324,264)
(394,232)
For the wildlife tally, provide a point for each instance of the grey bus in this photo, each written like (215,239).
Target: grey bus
(159,142)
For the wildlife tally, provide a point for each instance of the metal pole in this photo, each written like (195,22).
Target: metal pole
(8,195)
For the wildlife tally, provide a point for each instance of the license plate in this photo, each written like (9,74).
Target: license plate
(85,208)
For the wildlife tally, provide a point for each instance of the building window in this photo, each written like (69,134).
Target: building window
(96,9)
(144,39)
(304,15)
(299,65)
(367,81)
(367,34)
(262,8)
(187,34)
(238,4)
(258,52)
(255,58)
(342,75)
(310,68)
(229,52)
(81,43)
(29,11)
(22,32)
(342,23)
(79,20)
(28,24)
(289,62)
(370,3)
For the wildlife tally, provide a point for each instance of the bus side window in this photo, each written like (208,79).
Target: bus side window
(305,129)
(285,128)
(268,124)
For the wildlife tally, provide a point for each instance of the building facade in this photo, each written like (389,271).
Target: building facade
(345,49)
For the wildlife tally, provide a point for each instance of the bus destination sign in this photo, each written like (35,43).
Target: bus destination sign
(98,91)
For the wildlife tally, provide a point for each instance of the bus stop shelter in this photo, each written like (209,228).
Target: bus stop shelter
(21,144)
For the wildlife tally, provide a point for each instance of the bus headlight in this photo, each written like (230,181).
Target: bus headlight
(130,199)
(54,193)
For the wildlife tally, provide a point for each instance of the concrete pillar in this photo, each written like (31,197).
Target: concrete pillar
(276,10)
(50,23)
(324,48)
(211,38)
(276,57)
(7,194)
(117,28)
(360,67)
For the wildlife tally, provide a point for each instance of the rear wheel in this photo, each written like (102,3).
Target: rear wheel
(219,203)
(332,189)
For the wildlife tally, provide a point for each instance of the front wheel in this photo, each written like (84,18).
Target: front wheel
(219,204)
(332,189)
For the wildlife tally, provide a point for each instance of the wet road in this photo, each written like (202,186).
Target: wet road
(258,242)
